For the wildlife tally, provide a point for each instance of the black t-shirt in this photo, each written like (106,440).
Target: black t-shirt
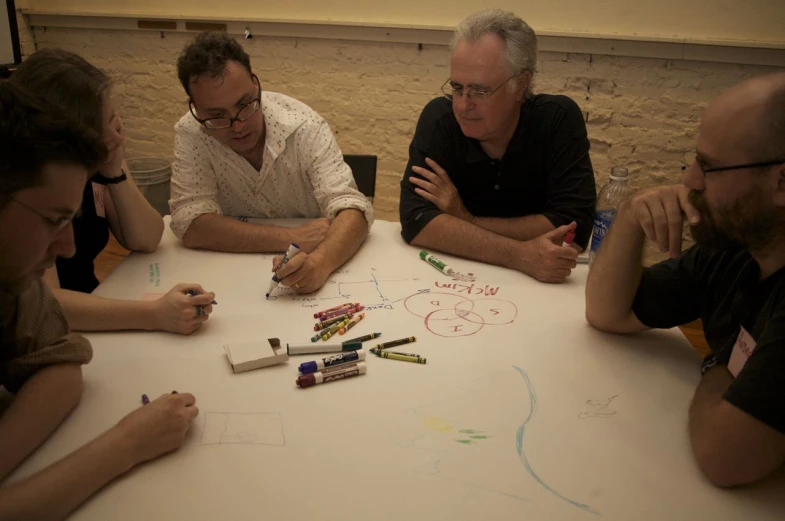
(725,291)
(545,170)
(91,234)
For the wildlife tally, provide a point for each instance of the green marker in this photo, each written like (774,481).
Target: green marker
(436,263)
(308,349)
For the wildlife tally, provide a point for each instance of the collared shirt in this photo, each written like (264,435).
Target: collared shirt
(34,333)
(303,173)
(725,291)
(545,170)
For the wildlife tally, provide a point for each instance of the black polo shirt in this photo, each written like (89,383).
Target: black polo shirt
(545,170)
(724,289)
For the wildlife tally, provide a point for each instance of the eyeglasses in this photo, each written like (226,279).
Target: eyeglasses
(248,110)
(478,95)
(55,224)
(706,169)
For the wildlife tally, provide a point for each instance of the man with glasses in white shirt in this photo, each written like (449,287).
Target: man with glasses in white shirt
(496,173)
(242,152)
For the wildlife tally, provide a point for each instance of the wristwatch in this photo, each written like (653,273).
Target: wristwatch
(709,362)
(103,180)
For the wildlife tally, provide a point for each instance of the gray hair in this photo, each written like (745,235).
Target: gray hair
(518,37)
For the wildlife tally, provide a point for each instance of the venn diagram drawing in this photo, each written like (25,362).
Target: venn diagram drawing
(449,315)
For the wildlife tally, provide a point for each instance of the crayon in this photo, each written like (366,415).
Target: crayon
(351,323)
(377,351)
(339,306)
(145,399)
(363,338)
(344,311)
(334,329)
(332,310)
(393,343)
(319,334)
(330,321)
(403,357)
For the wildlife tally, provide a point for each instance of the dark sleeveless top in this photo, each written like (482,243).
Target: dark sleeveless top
(91,234)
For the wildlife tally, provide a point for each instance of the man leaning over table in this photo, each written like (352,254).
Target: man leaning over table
(244,152)
(45,161)
(733,197)
(498,174)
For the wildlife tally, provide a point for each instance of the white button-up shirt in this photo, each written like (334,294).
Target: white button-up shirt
(303,173)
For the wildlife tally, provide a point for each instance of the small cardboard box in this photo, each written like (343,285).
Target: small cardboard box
(246,356)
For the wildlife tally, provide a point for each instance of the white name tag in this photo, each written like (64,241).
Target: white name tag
(99,192)
(742,350)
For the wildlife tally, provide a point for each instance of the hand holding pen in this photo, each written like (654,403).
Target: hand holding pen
(278,263)
(158,427)
(183,309)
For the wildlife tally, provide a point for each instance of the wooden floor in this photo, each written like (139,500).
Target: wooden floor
(113,254)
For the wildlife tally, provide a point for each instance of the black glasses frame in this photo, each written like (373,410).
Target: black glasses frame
(759,164)
(257,99)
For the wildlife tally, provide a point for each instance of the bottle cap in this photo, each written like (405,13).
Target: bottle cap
(619,173)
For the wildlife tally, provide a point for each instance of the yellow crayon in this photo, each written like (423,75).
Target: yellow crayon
(329,322)
(403,357)
(393,343)
(351,323)
(334,329)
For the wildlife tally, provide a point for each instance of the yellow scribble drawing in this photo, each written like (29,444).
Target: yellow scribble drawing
(437,424)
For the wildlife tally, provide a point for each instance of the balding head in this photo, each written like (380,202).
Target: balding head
(753,113)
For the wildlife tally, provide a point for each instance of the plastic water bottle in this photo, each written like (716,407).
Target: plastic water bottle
(607,203)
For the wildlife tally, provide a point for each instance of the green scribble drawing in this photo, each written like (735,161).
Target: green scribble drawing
(480,437)
(468,431)
(465,442)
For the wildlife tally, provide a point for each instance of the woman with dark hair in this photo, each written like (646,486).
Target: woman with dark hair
(111,201)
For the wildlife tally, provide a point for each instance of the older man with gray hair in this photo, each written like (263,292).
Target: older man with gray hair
(496,173)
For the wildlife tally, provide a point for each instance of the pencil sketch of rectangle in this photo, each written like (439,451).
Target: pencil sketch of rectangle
(265,428)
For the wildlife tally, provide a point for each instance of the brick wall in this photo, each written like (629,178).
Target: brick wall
(26,39)
(642,113)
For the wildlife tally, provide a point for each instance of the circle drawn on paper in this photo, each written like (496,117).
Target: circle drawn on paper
(423,304)
(492,312)
(445,323)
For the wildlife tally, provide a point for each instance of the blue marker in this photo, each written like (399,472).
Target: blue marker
(291,252)
(332,361)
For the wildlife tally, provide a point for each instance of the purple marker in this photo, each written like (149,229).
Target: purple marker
(193,294)
(145,399)
(332,361)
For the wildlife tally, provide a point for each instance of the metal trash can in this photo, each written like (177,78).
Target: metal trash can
(153,177)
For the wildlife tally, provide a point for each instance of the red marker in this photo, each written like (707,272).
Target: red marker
(338,373)
(569,237)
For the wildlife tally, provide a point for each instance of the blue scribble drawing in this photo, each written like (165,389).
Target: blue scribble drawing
(522,454)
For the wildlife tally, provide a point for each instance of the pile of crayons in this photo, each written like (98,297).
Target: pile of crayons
(379,350)
(338,319)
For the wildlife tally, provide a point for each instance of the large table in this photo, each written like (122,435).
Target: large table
(522,412)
